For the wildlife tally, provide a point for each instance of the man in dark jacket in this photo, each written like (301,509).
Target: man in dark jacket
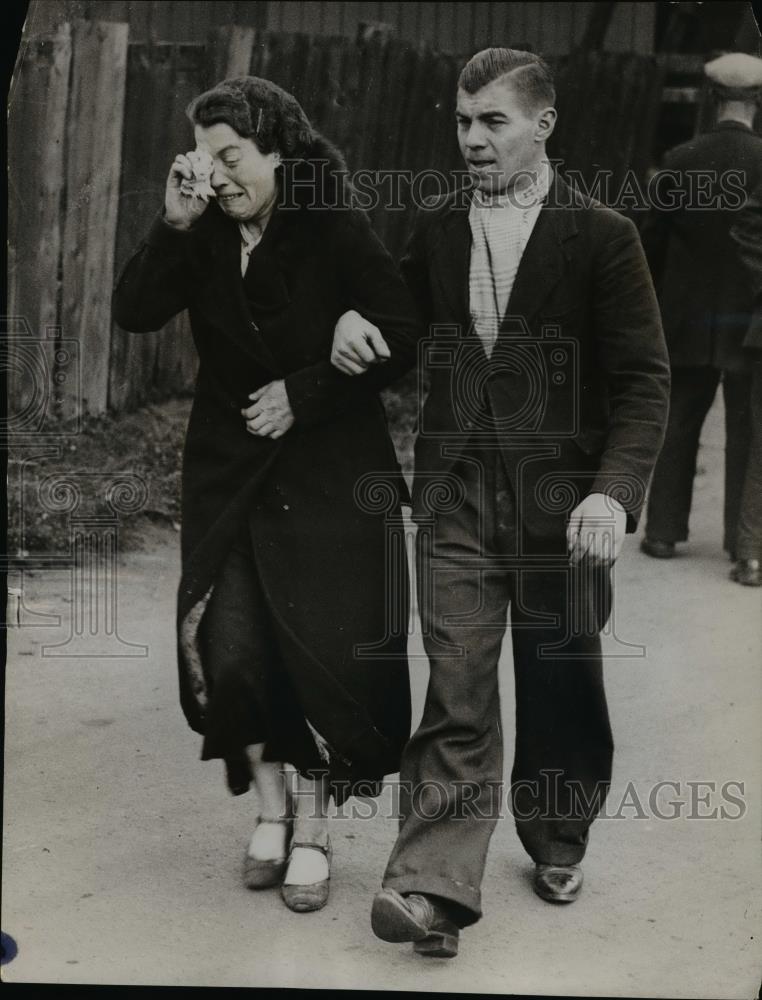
(548,384)
(705,298)
(747,233)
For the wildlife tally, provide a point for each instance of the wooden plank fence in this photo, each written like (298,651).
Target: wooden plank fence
(95,121)
(93,165)
(36,124)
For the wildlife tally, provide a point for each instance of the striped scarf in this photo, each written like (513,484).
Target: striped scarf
(500,229)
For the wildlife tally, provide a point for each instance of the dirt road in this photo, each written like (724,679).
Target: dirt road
(122,850)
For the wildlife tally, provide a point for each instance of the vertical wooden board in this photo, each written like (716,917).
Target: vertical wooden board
(408,21)
(155,130)
(330,89)
(642,157)
(94,144)
(239,50)
(574,83)
(281,69)
(138,18)
(443,153)
(619,35)
(481,27)
(594,85)
(43,19)
(645,28)
(175,358)
(296,81)
(229,52)
(511,23)
(260,53)
(333,22)
(312,17)
(36,125)
(178,27)
(601,113)
(639,136)
(415,116)
(622,128)
(397,70)
(397,74)
(389,14)
(411,149)
(345,128)
(582,13)
(195,20)
(464,41)
(372,93)
(557,22)
(145,164)
(254,15)
(290,19)
(427,25)
(351,15)
(273,57)
(162,24)
(313,91)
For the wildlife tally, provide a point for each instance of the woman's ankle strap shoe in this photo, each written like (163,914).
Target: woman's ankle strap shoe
(259,874)
(307,898)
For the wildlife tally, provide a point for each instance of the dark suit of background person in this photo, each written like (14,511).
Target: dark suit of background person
(600,426)
(706,301)
(747,233)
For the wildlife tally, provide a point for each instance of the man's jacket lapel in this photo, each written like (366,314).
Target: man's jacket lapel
(543,261)
(452,249)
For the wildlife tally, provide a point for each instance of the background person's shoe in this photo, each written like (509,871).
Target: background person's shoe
(656,549)
(558,883)
(748,572)
(259,874)
(417,918)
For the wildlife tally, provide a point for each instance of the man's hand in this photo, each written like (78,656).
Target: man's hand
(596,529)
(270,413)
(357,344)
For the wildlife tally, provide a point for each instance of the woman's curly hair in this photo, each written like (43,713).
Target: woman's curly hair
(273,119)
(258,110)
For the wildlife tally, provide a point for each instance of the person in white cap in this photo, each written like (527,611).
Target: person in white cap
(706,299)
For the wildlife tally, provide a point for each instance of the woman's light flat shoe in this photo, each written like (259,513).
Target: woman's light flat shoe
(306,898)
(259,874)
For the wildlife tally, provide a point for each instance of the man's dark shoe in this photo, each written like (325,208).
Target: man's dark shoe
(558,883)
(415,918)
(748,572)
(656,549)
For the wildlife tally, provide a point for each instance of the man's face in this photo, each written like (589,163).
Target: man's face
(243,178)
(497,138)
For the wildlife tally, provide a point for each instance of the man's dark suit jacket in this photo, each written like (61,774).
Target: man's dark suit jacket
(576,392)
(704,290)
(746,232)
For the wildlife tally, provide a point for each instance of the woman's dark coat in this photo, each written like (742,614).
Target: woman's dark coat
(323,549)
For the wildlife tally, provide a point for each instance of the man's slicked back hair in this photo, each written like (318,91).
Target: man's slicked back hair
(528,73)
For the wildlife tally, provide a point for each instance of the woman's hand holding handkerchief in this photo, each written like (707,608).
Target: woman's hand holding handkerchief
(188,188)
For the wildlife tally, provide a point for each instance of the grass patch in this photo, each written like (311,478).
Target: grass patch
(147,443)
